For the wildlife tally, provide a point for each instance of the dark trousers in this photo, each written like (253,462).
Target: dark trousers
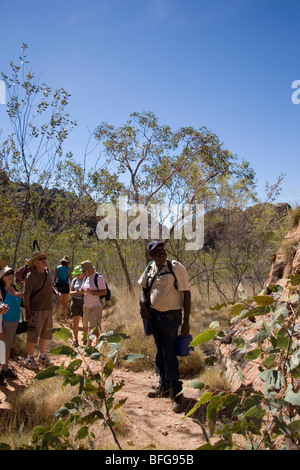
(165,332)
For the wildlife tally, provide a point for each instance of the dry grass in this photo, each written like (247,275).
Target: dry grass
(37,404)
(124,316)
(214,379)
(294,217)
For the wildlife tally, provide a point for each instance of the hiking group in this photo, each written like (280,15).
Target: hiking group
(165,304)
(36,304)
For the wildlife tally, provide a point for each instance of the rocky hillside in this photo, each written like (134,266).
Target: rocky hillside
(285,266)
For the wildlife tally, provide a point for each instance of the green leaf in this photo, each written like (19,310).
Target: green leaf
(295,279)
(252,355)
(294,299)
(236,309)
(239,343)
(63,350)
(92,417)
(90,388)
(214,407)
(282,342)
(293,398)
(67,408)
(203,337)
(295,426)
(196,384)
(83,432)
(220,445)
(255,414)
(38,431)
(264,300)
(74,365)
(205,397)
(59,428)
(108,369)
(47,373)
(295,360)
(218,307)
(114,348)
(132,357)
(62,333)
(272,378)
(4,446)
(239,371)
(112,337)
(269,361)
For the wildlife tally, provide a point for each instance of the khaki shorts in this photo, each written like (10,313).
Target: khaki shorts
(43,322)
(92,317)
(9,330)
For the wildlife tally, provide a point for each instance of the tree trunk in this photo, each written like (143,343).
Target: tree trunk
(129,284)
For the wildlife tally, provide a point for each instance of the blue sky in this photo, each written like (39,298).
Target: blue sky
(228,65)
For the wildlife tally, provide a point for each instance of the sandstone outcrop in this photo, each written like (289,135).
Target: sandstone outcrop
(285,263)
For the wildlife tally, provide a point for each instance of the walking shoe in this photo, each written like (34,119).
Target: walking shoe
(177,404)
(2,380)
(45,361)
(31,362)
(9,374)
(159,392)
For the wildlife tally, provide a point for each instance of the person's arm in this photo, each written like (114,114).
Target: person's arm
(97,293)
(185,328)
(28,315)
(72,292)
(144,310)
(55,292)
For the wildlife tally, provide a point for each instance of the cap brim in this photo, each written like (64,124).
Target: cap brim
(154,246)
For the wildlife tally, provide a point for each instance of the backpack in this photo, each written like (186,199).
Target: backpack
(108,292)
(21,273)
(170,267)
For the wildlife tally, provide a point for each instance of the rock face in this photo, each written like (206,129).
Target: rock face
(286,262)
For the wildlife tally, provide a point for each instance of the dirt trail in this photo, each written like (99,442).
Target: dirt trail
(148,423)
(152,422)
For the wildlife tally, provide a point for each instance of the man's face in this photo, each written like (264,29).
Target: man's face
(159,254)
(40,262)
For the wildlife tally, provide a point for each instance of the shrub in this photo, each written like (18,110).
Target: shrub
(256,419)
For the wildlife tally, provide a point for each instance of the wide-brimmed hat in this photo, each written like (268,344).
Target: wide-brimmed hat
(65,259)
(5,270)
(77,270)
(86,265)
(153,244)
(36,255)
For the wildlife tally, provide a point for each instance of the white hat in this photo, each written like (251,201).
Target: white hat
(5,270)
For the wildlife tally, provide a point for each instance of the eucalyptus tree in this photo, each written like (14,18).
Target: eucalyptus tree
(40,127)
(185,166)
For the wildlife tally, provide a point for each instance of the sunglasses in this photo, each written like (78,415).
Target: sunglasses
(41,259)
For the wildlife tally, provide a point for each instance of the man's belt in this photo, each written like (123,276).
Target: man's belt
(153,310)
